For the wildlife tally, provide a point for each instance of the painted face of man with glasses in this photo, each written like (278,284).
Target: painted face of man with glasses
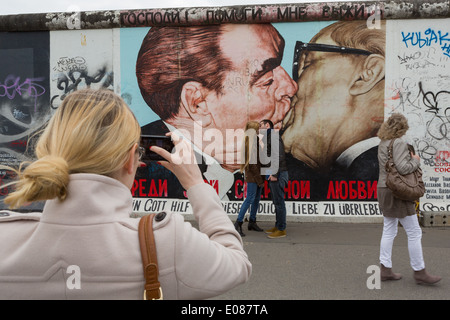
(340,100)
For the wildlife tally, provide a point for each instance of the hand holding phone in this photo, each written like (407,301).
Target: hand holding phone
(148,141)
(413,152)
(181,160)
(411,149)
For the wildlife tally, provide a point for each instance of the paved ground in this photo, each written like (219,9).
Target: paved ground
(330,261)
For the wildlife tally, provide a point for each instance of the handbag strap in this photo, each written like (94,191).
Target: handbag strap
(152,289)
(390,147)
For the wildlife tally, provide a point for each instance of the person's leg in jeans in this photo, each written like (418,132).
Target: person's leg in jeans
(252,189)
(254,209)
(251,194)
(277,189)
(280,203)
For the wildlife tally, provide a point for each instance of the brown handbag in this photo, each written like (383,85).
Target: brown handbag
(152,289)
(408,187)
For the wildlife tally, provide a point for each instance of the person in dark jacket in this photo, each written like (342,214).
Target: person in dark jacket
(277,175)
(251,166)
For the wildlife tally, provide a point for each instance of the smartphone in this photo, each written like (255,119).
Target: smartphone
(411,149)
(155,140)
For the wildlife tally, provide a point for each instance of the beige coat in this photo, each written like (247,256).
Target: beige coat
(89,240)
(402,158)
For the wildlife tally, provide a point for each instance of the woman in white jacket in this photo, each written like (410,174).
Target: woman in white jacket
(86,162)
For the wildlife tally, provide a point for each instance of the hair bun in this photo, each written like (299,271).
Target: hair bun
(47,178)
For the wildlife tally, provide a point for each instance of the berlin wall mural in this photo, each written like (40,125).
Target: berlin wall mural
(209,80)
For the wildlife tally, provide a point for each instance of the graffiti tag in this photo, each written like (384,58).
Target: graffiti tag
(428,38)
(29,87)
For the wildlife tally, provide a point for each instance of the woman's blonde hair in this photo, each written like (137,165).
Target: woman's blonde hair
(91,132)
(250,146)
(394,127)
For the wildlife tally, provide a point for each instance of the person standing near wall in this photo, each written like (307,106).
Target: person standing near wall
(396,210)
(251,165)
(278,177)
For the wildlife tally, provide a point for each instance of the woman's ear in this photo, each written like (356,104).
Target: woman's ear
(371,73)
(133,156)
(194,102)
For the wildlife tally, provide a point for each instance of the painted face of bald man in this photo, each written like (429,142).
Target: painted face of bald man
(255,88)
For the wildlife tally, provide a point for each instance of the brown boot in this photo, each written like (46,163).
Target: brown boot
(387,274)
(422,277)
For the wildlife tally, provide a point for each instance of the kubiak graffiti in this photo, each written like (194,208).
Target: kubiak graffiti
(327,76)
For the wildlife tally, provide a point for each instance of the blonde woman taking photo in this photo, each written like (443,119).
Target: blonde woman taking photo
(86,162)
(251,166)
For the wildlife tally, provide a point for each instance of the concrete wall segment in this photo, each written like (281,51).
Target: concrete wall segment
(416,9)
(44,57)
(323,11)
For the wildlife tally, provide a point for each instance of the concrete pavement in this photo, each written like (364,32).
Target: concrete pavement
(330,261)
